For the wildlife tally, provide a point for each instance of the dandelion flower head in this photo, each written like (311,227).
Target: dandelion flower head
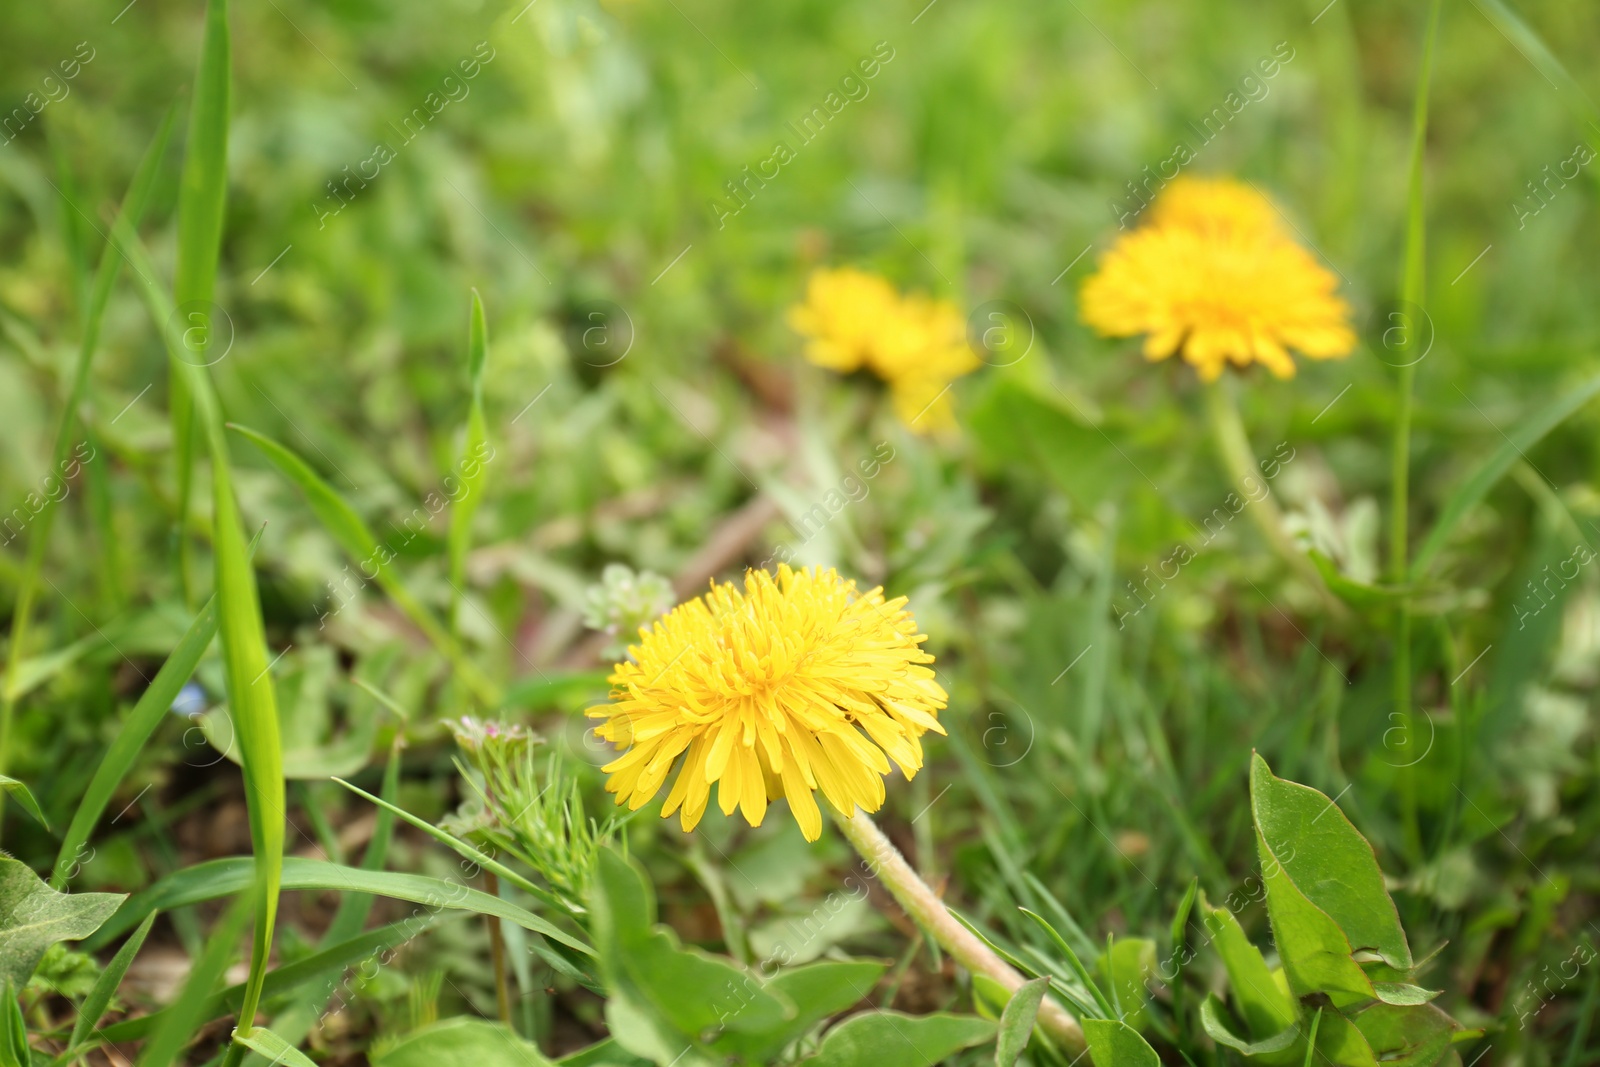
(853,320)
(798,683)
(1215,277)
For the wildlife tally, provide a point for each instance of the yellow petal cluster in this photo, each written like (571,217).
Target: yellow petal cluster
(1214,275)
(796,684)
(853,320)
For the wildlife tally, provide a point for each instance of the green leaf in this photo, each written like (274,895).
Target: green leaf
(33,917)
(25,798)
(1407,1035)
(1100,998)
(1514,448)
(1403,993)
(893,1039)
(817,991)
(1125,968)
(1267,1008)
(1016,1022)
(1116,1044)
(268,1043)
(94,1005)
(1279,1048)
(692,991)
(462,1042)
(607,1053)
(1325,893)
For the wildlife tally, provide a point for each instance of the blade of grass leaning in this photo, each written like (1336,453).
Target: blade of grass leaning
(359,542)
(1471,492)
(147,713)
(132,211)
(202,197)
(94,1005)
(472,467)
(218,878)
(267,1043)
(183,1019)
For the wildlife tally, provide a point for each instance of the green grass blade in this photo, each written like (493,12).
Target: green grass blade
(1526,40)
(94,1005)
(219,878)
(1075,963)
(131,212)
(361,544)
(183,1019)
(24,797)
(202,197)
(1524,436)
(473,464)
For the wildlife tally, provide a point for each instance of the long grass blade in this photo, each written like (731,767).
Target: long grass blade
(131,212)
(183,1019)
(202,198)
(94,1005)
(473,465)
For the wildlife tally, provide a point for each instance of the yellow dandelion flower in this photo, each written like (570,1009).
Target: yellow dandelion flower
(798,683)
(853,320)
(1215,278)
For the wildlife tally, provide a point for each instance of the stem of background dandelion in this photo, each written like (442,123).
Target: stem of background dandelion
(924,906)
(1411,293)
(1222,411)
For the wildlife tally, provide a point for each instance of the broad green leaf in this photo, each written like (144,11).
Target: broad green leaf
(33,917)
(1512,450)
(1266,1008)
(817,991)
(893,1039)
(94,1005)
(353,535)
(1278,1048)
(1116,1044)
(180,1022)
(1340,1044)
(1410,1035)
(268,1043)
(1124,970)
(1016,1022)
(1327,860)
(607,1053)
(462,1042)
(218,878)
(692,991)
(25,798)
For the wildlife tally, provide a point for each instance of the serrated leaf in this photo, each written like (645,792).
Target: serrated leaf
(1116,1044)
(33,917)
(462,1042)
(1016,1022)
(894,1039)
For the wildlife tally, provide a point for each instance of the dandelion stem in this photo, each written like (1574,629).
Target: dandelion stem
(923,905)
(1222,411)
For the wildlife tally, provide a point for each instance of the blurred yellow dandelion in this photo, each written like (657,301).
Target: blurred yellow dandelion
(798,683)
(853,320)
(1214,276)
